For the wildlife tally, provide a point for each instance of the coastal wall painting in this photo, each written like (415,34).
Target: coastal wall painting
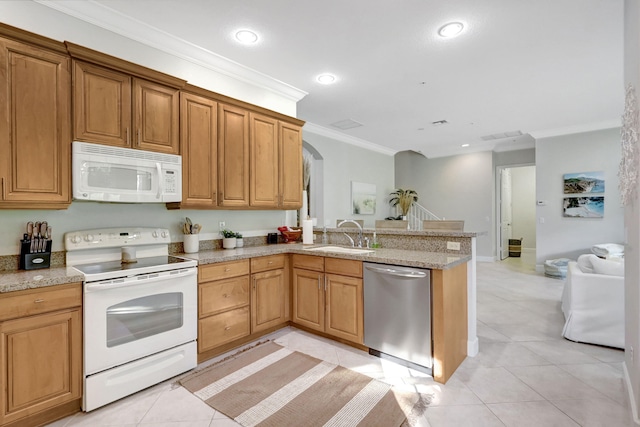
(584,182)
(583,207)
(363,198)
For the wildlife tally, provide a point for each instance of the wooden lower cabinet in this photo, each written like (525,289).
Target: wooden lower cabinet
(223,304)
(267,299)
(344,307)
(328,302)
(219,329)
(41,358)
(308,299)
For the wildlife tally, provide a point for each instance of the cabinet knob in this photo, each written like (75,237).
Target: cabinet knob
(227,269)
(225,296)
(227,328)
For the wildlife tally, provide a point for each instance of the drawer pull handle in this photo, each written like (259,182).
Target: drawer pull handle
(227,328)
(38,301)
(227,269)
(270,262)
(225,296)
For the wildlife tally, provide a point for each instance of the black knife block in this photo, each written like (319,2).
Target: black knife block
(36,260)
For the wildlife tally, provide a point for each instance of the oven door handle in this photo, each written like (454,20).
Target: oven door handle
(139,280)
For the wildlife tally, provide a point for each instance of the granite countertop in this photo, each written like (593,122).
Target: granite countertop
(11,281)
(401,232)
(421,259)
(20,280)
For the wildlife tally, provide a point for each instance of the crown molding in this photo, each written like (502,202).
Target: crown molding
(339,136)
(116,22)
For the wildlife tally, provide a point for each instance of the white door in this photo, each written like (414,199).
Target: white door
(505,212)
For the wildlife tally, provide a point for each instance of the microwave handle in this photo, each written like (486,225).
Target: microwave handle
(160,181)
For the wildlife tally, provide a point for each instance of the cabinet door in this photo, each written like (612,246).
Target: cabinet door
(264,176)
(35,126)
(267,300)
(101,105)
(41,363)
(198,140)
(345,307)
(233,156)
(290,166)
(308,299)
(155,118)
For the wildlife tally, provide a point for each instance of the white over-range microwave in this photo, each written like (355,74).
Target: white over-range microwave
(103,173)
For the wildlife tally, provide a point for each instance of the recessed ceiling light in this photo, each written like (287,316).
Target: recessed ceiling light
(326,79)
(246,36)
(451,29)
(464,145)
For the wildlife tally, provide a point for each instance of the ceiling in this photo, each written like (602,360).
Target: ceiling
(544,67)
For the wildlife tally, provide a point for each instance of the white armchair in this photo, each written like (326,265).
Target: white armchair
(593,301)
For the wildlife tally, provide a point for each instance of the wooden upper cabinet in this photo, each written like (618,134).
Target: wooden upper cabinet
(123,104)
(198,139)
(233,156)
(35,127)
(264,177)
(290,166)
(102,105)
(155,118)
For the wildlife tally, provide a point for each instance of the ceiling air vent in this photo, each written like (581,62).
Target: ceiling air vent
(346,124)
(501,135)
(440,122)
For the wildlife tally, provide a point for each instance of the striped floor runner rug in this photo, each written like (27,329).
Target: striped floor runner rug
(270,385)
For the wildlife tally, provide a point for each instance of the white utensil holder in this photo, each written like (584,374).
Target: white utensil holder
(191,243)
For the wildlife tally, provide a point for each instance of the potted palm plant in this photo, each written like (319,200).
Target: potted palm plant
(404,199)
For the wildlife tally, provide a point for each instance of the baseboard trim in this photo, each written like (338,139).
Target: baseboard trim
(632,400)
(472,347)
(485,259)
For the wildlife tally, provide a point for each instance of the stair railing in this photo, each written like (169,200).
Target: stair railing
(418,213)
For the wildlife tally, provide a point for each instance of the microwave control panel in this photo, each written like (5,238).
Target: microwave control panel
(170,182)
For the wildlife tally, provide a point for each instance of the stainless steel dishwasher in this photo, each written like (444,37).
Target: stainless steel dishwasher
(397,314)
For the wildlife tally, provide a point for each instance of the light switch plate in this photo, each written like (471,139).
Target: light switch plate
(454,246)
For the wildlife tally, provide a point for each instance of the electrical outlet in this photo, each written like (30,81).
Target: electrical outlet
(221,225)
(454,246)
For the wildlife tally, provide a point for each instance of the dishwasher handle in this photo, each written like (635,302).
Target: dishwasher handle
(412,274)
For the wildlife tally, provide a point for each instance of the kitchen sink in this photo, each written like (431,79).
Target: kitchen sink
(340,250)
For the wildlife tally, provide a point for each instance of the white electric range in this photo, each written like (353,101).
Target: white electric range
(139,311)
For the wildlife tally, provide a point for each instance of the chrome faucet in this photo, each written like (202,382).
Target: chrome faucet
(353,244)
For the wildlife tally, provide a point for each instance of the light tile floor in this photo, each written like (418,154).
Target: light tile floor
(526,374)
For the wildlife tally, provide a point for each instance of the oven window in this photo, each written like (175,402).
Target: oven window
(143,317)
(119,178)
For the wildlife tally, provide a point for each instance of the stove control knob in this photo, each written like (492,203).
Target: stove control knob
(88,238)
(76,239)
(155,234)
(165,234)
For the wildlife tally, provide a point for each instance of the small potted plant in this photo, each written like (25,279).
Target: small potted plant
(228,239)
(404,199)
(239,240)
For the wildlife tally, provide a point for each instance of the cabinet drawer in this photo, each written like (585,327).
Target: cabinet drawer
(345,267)
(265,263)
(36,301)
(308,262)
(222,328)
(222,295)
(223,270)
